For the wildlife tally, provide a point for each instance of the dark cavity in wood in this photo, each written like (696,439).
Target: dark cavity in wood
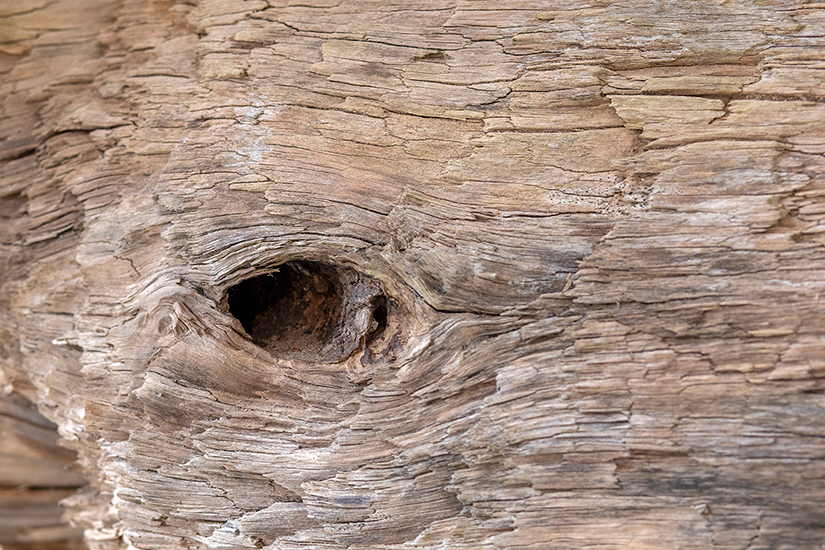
(310,311)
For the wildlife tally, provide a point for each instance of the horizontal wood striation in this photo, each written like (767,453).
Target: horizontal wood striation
(597,227)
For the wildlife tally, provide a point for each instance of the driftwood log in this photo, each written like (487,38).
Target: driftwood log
(349,274)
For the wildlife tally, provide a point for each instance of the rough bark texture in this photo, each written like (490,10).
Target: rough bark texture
(417,275)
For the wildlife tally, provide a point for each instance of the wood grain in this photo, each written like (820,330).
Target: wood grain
(596,229)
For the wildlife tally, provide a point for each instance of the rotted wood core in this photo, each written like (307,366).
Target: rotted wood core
(311,311)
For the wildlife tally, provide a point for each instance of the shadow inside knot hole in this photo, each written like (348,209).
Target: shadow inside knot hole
(310,311)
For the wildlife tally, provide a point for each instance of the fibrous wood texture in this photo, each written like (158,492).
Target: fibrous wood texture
(417,275)
(33,478)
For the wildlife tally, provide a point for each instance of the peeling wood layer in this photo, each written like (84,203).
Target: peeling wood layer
(597,231)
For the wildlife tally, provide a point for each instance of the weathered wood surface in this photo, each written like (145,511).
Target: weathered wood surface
(34,477)
(555,269)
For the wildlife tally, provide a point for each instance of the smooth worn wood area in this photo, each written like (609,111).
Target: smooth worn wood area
(414,275)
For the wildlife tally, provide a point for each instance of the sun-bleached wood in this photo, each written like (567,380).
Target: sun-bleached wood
(541,274)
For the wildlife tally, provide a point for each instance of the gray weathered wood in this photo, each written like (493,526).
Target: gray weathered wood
(548,274)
